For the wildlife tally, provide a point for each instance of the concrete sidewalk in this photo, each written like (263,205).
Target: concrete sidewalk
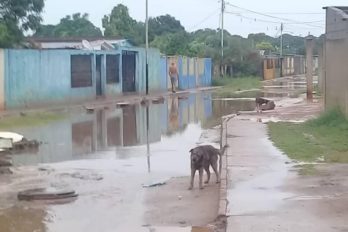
(264,192)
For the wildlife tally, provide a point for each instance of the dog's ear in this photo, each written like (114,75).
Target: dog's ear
(191,150)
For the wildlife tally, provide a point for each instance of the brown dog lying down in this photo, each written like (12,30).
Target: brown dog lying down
(263,104)
(202,157)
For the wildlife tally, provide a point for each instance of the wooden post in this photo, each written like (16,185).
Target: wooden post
(309,70)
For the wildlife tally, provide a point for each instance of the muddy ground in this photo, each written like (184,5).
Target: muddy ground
(102,156)
(174,205)
(267,191)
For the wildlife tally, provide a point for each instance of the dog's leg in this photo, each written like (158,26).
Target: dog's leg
(193,172)
(214,166)
(208,175)
(201,178)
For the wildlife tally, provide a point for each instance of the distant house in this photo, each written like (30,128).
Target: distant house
(98,43)
(336,58)
(61,73)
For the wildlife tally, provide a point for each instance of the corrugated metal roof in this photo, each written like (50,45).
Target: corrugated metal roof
(99,43)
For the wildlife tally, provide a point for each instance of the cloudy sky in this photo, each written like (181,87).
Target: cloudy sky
(300,17)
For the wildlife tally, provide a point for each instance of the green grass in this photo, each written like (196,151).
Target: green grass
(325,137)
(308,170)
(29,120)
(232,85)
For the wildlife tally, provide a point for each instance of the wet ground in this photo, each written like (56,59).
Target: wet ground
(266,191)
(102,155)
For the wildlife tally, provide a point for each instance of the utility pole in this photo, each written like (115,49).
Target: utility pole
(222,37)
(147,46)
(281,49)
(147,85)
(309,70)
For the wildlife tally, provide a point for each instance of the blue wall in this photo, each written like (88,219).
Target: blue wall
(43,77)
(34,77)
(155,83)
(190,75)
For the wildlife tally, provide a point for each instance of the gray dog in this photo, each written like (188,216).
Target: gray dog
(202,157)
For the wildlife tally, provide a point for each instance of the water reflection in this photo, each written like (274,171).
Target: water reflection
(83,136)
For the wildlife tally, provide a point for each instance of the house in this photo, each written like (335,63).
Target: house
(274,66)
(336,58)
(40,77)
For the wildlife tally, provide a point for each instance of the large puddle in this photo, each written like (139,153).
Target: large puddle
(103,156)
(121,133)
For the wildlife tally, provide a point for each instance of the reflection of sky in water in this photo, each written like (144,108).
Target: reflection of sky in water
(121,133)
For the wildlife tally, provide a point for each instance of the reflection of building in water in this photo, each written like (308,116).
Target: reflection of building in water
(130,137)
(82,138)
(81,134)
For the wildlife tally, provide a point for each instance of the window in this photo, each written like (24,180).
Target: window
(112,69)
(81,71)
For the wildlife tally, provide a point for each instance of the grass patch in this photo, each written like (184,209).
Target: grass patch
(308,170)
(232,85)
(325,137)
(29,120)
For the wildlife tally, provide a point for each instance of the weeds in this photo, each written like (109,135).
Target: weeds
(29,120)
(324,138)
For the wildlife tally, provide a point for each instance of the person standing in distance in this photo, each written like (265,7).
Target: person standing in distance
(173,74)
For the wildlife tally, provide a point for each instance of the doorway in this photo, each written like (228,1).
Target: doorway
(99,75)
(128,71)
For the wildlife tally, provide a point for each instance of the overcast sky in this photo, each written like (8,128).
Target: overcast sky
(196,14)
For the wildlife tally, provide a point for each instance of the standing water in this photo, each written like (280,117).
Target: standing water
(102,155)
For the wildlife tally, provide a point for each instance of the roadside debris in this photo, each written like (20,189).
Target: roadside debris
(89,109)
(159,100)
(45,194)
(13,136)
(10,141)
(156,184)
(123,104)
(144,101)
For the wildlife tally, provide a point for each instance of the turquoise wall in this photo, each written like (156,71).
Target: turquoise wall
(190,79)
(154,70)
(41,77)
(34,77)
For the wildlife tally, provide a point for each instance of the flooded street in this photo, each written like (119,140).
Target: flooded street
(102,156)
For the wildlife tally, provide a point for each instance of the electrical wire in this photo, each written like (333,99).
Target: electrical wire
(271,16)
(205,19)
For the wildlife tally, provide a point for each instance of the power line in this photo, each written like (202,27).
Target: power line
(274,22)
(205,19)
(270,16)
(294,13)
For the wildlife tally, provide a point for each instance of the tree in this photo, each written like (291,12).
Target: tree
(17,17)
(265,46)
(172,44)
(120,23)
(76,25)
(164,24)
